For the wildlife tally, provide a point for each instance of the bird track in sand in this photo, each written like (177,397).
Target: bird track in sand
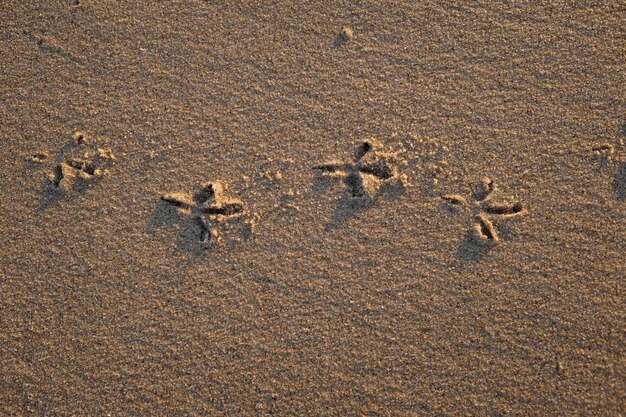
(370,168)
(75,162)
(485,211)
(208,206)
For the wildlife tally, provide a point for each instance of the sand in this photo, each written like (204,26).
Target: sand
(470,261)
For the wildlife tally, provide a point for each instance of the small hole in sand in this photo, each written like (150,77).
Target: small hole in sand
(39,157)
(79,138)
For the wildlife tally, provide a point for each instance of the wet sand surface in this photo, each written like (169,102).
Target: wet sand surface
(325,208)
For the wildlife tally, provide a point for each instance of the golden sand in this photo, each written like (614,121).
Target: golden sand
(422,212)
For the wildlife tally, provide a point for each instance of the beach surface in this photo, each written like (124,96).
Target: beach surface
(320,208)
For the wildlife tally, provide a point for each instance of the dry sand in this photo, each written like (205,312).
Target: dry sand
(370,286)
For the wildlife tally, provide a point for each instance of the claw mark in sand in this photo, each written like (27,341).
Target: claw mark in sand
(370,168)
(208,206)
(485,210)
(39,157)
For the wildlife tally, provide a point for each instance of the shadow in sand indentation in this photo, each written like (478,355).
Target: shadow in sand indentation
(472,249)
(190,231)
(163,216)
(51,194)
(349,206)
(345,35)
(619,182)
